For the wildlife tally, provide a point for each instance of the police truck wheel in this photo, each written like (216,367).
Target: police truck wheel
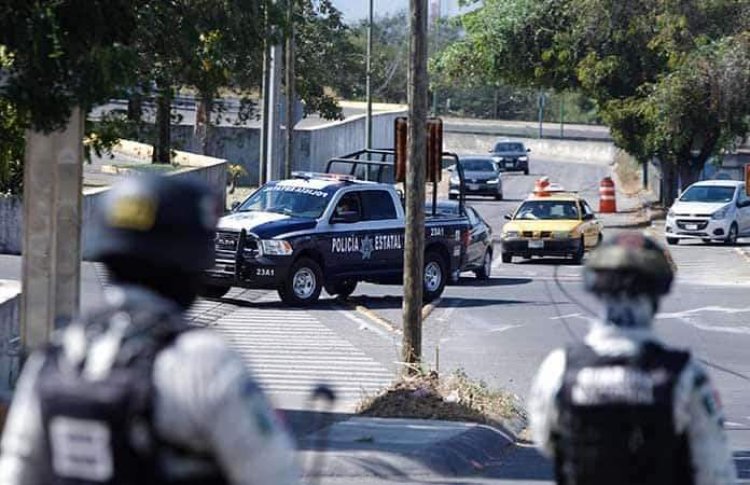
(499,196)
(213,291)
(304,284)
(345,288)
(526,171)
(435,276)
(484,272)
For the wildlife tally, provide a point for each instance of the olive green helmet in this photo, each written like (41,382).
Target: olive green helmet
(630,263)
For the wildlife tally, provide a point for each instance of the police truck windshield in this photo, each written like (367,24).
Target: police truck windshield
(291,200)
(548,210)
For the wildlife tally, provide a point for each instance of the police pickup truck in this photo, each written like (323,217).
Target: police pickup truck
(327,231)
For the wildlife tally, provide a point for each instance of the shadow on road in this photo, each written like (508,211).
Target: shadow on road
(493,282)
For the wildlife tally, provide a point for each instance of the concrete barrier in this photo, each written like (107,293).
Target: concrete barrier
(313,146)
(213,171)
(10,295)
(590,152)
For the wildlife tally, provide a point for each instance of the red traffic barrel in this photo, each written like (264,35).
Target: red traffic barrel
(607,203)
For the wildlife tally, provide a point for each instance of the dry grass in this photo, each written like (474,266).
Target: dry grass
(455,397)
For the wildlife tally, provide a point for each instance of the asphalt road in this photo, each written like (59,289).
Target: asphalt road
(498,331)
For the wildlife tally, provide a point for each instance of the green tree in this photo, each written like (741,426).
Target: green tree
(669,76)
(55,55)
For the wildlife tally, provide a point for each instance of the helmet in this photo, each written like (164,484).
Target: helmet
(631,263)
(167,222)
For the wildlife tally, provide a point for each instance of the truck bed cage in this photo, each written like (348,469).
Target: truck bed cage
(378,165)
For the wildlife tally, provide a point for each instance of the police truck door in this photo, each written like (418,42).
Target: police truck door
(387,230)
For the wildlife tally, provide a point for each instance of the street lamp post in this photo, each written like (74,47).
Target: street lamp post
(368,123)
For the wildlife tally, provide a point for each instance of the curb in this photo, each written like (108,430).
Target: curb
(469,452)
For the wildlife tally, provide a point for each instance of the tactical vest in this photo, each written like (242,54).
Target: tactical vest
(616,423)
(101,432)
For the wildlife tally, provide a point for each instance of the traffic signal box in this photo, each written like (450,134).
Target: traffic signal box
(434,155)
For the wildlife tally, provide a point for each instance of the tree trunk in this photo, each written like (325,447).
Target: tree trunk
(669,183)
(163,145)
(203,122)
(135,108)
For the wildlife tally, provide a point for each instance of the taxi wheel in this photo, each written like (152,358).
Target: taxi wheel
(507,257)
(435,276)
(484,272)
(213,291)
(304,284)
(578,256)
(345,288)
(673,241)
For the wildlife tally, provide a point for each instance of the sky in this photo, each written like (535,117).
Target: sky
(354,10)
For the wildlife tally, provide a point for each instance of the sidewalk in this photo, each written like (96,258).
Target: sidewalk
(378,450)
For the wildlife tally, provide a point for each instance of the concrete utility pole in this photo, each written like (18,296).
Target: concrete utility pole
(52,230)
(368,87)
(415,187)
(290,91)
(270,131)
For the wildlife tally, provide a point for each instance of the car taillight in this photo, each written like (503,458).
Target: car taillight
(466,237)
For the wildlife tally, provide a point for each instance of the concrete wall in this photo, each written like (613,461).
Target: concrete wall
(210,170)
(595,152)
(11,224)
(10,295)
(313,146)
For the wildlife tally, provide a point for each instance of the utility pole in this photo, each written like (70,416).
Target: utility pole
(415,187)
(436,14)
(368,82)
(51,260)
(270,131)
(290,91)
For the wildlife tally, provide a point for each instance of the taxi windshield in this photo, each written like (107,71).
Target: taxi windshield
(291,200)
(547,210)
(708,194)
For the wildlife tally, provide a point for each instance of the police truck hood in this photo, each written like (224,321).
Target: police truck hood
(264,224)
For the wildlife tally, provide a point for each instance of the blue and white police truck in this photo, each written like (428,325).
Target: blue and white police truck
(327,231)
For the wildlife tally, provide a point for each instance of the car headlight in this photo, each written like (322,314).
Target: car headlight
(720,214)
(523,159)
(276,247)
(671,213)
(454,179)
(561,234)
(494,181)
(511,234)
(498,159)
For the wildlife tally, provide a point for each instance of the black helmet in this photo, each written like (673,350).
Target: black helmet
(167,222)
(630,263)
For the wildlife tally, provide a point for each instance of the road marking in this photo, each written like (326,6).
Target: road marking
(688,317)
(290,352)
(570,315)
(743,253)
(379,329)
(504,328)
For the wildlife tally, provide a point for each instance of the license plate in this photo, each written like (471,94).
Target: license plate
(509,164)
(473,187)
(536,244)
(691,227)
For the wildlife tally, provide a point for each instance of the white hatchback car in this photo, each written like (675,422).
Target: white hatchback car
(712,210)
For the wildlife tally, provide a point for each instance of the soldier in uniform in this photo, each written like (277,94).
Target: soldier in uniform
(131,394)
(622,408)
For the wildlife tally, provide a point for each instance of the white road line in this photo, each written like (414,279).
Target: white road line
(292,352)
(504,328)
(376,329)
